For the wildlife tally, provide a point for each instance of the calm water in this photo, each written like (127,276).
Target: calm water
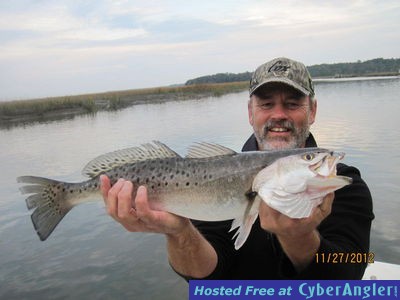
(89,255)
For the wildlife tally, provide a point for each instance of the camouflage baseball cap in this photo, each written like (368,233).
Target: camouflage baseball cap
(286,71)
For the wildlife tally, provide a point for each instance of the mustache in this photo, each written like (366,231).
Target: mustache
(279,123)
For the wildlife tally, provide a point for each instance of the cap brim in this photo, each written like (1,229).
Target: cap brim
(282,80)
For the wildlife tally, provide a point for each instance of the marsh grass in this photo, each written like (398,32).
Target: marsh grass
(91,103)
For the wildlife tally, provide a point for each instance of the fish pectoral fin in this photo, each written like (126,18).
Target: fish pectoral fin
(245,223)
(117,158)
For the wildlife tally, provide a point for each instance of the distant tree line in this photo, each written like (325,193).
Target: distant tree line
(220,78)
(378,66)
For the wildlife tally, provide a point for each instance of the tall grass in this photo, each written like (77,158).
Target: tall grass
(90,103)
(41,106)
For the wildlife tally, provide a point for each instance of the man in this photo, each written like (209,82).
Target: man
(281,109)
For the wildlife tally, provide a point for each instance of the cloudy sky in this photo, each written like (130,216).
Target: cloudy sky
(50,48)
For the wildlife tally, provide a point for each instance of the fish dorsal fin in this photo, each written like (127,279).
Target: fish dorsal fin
(202,150)
(117,158)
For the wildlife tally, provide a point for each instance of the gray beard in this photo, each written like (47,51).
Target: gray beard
(297,139)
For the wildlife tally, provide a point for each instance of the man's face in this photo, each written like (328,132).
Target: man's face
(281,116)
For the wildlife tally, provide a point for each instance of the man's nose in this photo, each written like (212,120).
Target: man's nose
(279,112)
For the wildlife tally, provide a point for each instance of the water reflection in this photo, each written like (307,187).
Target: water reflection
(97,258)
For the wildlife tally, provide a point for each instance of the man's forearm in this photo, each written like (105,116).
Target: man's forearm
(301,251)
(190,254)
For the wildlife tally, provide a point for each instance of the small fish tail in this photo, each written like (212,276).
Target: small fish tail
(48,199)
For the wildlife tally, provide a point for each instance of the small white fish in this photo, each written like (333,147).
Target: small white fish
(212,183)
(294,185)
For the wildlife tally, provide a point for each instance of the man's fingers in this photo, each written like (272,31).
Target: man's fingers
(326,205)
(143,211)
(105,186)
(111,198)
(124,204)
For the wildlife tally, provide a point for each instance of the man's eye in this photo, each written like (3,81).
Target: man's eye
(267,105)
(292,105)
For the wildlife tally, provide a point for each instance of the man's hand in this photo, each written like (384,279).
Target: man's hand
(135,214)
(189,252)
(299,238)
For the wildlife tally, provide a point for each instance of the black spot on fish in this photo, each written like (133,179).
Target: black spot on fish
(172,176)
(177,184)
(187,183)
(166,183)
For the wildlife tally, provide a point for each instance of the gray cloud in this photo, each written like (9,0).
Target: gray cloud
(56,48)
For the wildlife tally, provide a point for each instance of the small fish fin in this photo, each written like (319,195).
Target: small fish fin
(329,184)
(117,158)
(48,200)
(203,150)
(245,223)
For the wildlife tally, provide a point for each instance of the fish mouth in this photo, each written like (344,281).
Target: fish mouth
(326,167)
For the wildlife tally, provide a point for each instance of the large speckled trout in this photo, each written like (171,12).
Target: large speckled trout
(212,183)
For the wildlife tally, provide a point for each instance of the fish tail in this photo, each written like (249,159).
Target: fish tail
(48,198)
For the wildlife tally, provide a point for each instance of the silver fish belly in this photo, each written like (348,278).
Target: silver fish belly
(212,183)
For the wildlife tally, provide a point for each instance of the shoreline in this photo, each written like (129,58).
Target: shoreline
(25,112)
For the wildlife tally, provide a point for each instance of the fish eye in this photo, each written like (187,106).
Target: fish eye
(308,156)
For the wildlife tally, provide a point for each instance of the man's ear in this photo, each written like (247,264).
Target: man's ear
(250,111)
(313,111)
